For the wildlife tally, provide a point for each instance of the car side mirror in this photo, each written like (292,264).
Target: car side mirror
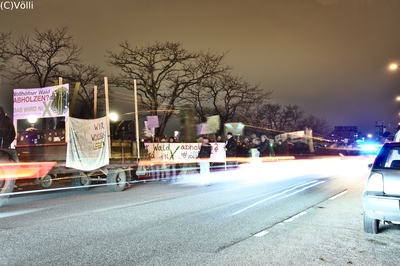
(369,165)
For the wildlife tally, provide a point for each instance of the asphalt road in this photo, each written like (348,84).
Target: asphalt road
(299,213)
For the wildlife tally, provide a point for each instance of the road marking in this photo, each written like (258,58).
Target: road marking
(9,214)
(338,195)
(262,233)
(282,193)
(291,219)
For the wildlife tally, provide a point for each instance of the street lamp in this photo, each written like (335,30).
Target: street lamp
(393,66)
(113,117)
(32,120)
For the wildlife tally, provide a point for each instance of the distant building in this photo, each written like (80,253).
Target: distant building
(346,134)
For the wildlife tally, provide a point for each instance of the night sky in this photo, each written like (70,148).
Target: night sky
(330,57)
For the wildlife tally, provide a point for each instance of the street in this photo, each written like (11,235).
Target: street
(307,212)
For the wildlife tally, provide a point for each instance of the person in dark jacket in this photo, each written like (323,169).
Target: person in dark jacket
(265,148)
(204,156)
(7,130)
(230,149)
(242,149)
(280,148)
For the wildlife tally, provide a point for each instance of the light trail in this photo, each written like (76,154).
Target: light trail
(312,184)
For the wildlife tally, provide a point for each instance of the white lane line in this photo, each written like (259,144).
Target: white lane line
(338,195)
(282,193)
(291,219)
(9,214)
(262,233)
(297,191)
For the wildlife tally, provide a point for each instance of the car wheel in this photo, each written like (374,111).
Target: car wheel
(116,180)
(81,180)
(371,225)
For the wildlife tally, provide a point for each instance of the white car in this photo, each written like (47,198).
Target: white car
(381,197)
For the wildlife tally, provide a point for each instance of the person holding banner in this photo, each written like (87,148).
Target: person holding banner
(204,156)
(7,130)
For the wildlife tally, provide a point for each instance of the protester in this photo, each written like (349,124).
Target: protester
(254,145)
(280,148)
(265,148)
(230,149)
(7,130)
(242,150)
(204,156)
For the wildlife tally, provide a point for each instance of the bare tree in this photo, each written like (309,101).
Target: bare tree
(277,118)
(274,118)
(283,118)
(318,125)
(88,76)
(43,57)
(164,71)
(225,95)
(4,49)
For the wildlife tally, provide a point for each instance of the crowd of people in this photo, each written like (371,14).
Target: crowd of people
(234,150)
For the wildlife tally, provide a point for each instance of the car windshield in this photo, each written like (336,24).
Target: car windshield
(388,158)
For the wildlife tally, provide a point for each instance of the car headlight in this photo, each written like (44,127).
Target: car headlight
(375,183)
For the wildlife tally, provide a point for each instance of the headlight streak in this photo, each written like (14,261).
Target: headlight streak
(312,184)
(53,189)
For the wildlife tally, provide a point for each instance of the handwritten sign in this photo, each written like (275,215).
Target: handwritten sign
(183,152)
(88,146)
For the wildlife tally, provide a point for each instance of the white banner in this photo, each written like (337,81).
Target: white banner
(87,148)
(296,135)
(41,102)
(148,130)
(183,152)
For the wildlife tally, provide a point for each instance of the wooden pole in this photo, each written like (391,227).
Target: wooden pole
(95,102)
(137,120)
(107,115)
(60,82)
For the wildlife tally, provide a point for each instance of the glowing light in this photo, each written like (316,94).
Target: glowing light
(113,117)
(393,66)
(32,119)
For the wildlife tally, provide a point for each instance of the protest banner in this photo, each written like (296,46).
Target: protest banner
(87,148)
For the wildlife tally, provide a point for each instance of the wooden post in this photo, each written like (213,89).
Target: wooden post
(95,102)
(107,115)
(137,120)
